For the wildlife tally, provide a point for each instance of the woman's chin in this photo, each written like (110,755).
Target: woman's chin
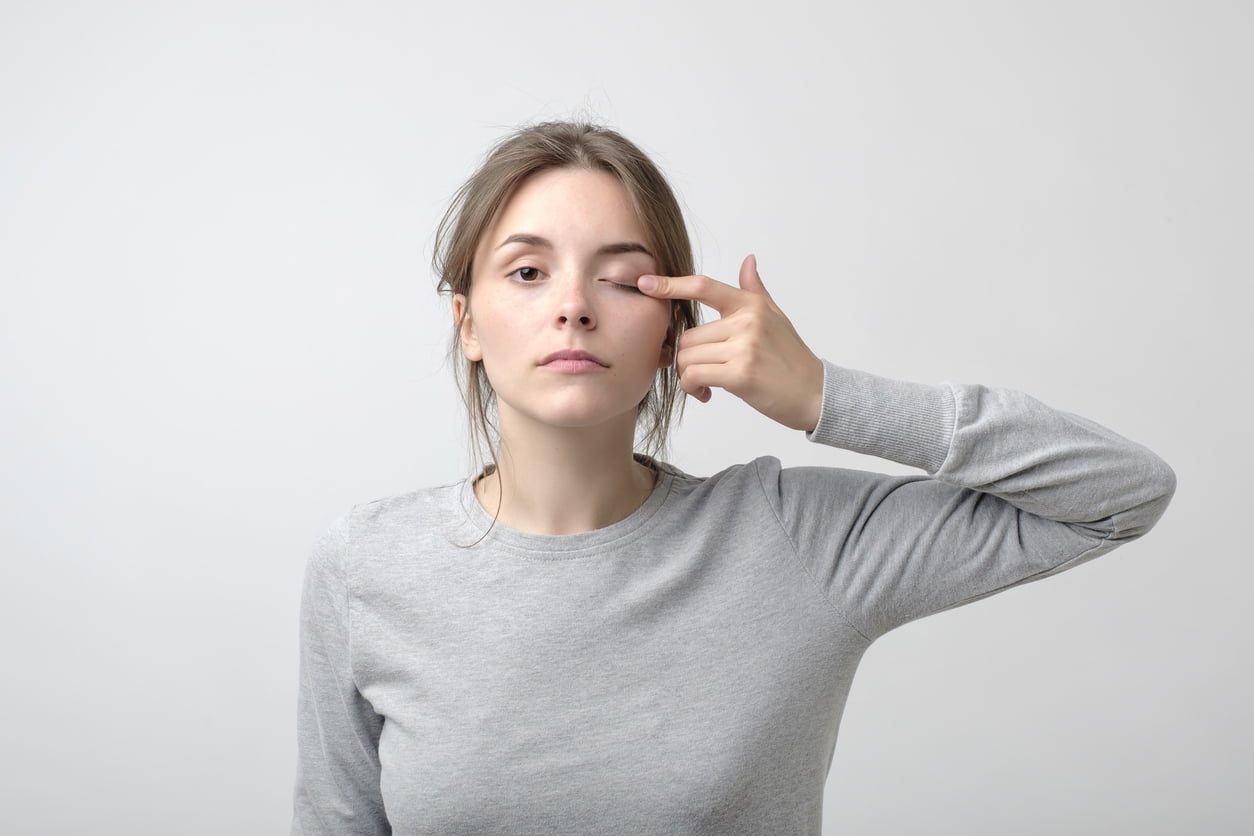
(573,416)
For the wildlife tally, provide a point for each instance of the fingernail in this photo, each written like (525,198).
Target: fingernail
(646,283)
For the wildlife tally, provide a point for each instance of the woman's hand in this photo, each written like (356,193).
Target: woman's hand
(752,351)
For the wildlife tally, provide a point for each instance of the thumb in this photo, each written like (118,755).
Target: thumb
(751,281)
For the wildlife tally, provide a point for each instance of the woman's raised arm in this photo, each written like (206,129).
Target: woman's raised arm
(1018,491)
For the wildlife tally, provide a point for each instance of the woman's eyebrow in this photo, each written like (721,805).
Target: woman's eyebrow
(623,247)
(617,248)
(529,240)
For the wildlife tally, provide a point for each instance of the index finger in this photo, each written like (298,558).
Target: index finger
(721,297)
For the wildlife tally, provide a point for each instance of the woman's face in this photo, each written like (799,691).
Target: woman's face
(553,313)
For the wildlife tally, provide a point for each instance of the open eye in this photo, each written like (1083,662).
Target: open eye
(526,275)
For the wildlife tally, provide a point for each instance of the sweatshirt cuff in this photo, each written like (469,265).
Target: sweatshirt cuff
(908,423)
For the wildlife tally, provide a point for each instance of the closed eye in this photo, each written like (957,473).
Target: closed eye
(626,285)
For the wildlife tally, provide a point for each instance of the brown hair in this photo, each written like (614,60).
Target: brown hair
(478,202)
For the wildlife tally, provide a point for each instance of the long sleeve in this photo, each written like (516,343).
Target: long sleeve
(1018,491)
(337,776)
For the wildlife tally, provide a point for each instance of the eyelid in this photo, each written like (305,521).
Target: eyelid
(626,284)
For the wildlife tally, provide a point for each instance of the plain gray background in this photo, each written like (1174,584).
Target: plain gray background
(220,331)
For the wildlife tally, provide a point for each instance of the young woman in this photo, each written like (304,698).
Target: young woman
(583,639)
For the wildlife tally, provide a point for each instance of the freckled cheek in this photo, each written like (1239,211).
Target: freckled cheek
(502,332)
(648,334)
(659,319)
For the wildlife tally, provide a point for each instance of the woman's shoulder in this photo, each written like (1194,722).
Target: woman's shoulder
(761,467)
(766,477)
(396,517)
(405,505)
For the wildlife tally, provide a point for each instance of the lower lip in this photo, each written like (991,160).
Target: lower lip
(573,366)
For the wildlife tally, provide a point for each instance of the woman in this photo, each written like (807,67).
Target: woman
(583,639)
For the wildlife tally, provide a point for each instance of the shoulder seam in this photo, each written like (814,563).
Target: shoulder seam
(796,554)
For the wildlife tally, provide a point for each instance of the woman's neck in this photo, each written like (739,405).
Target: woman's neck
(562,480)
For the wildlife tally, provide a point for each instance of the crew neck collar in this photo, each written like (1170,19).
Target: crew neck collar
(567,546)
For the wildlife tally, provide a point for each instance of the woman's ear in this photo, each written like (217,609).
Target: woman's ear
(465,325)
(667,355)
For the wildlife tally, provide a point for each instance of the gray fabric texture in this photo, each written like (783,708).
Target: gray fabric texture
(684,670)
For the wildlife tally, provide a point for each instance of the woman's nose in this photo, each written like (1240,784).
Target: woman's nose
(574,308)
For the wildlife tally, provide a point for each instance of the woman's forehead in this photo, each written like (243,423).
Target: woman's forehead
(567,208)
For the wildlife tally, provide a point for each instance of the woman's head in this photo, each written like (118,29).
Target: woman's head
(479,204)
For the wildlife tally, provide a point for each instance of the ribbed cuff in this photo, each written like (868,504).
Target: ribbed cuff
(908,423)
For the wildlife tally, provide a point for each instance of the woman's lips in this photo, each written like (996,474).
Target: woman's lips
(569,360)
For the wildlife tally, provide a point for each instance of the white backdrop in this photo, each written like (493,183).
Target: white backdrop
(219,331)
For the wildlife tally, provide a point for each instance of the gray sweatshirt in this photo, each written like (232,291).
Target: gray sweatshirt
(682,671)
